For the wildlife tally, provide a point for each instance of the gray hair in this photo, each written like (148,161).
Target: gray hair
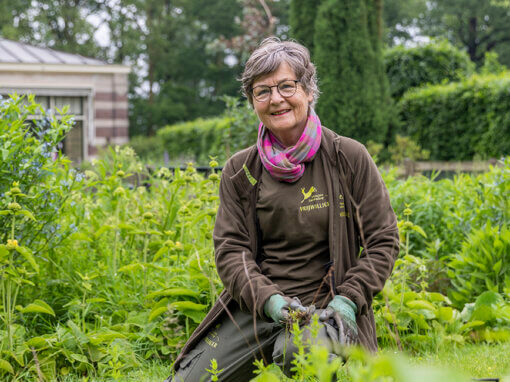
(268,57)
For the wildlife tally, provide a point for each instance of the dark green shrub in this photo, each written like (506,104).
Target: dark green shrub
(355,97)
(426,64)
(460,120)
(302,15)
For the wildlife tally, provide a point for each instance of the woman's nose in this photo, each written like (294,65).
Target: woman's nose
(276,97)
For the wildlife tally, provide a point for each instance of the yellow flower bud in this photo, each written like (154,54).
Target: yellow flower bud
(148,215)
(12,244)
(119,191)
(121,174)
(14,206)
(178,245)
(408,211)
(214,177)
(15,190)
(213,163)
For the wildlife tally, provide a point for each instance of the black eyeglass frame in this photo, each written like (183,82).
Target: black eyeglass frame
(277,89)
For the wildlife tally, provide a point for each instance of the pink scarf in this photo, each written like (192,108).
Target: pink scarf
(287,164)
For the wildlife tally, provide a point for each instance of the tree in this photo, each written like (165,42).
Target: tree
(479,25)
(58,24)
(401,19)
(302,21)
(355,96)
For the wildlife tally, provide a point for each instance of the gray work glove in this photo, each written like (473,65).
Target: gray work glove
(277,307)
(343,312)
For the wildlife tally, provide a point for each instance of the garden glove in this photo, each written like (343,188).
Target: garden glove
(343,312)
(277,307)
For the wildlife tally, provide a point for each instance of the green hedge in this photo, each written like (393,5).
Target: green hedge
(195,140)
(458,121)
(428,64)
(188,141)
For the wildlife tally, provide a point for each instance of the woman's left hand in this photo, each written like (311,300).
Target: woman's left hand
(343,311)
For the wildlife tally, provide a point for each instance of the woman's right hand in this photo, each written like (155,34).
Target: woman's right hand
(277,307)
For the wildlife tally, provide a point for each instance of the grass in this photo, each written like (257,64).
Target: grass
(473,360)
(477,361)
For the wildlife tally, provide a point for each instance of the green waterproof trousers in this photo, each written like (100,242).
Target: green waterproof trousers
(235,346)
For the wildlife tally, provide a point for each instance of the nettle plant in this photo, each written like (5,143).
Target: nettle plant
(34,183)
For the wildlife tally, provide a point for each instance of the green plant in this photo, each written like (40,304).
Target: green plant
(28,207)
(483,263)
(491,64)
(406,148)
(213,370)
(488,318)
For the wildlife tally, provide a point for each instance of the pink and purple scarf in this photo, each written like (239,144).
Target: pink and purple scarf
(287,164)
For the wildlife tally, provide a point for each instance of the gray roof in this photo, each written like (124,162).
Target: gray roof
(17,52)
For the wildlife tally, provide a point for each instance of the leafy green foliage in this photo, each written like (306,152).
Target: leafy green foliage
(434,63)
(448,210)
(460,120)
(482,264)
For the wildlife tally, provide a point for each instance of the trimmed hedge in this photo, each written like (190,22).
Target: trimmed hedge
(188,141)
(460,120)
(195,140)
(427,64)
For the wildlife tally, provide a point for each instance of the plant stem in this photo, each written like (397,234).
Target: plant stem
(115,243)
(9,301)
(145,247)
(83,312)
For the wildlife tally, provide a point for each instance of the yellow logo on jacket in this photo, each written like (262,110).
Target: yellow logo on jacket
(312,200)
(306,195)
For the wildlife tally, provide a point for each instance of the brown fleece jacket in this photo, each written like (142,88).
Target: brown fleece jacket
(360,215)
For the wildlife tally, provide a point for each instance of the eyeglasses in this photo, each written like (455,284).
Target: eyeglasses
(286,89)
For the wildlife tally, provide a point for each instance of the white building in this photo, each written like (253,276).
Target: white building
(95,91)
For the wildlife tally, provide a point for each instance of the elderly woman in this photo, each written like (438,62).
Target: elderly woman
(304,219)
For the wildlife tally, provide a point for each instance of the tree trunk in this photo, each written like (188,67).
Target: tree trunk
(472,44)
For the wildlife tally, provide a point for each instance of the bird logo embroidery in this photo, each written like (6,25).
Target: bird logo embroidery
(306,195)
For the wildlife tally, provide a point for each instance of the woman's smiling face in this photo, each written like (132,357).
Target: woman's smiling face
(284,117)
